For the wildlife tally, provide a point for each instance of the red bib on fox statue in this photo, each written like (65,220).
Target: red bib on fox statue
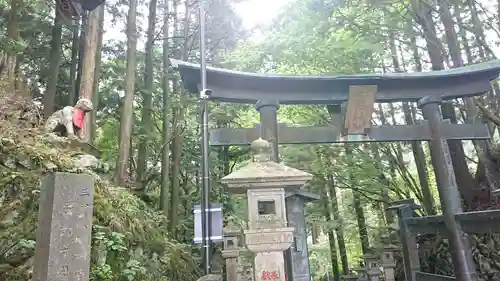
(78,118)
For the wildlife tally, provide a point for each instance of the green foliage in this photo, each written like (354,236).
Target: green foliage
(129,241)
(327,38)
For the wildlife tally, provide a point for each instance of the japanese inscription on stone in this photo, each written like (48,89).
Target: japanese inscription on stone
(269,238)
(270,275)
(359,108)
(63,242)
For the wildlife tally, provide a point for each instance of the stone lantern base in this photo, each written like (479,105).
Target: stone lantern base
(211,277)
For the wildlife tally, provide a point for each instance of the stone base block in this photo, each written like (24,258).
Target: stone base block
(210,277)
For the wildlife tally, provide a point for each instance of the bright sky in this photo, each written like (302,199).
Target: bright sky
(252,13)
(257,12)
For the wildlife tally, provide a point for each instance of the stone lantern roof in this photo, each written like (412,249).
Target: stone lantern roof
(306,195)
(264,173)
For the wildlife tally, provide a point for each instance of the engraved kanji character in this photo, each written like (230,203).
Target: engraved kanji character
(266,275)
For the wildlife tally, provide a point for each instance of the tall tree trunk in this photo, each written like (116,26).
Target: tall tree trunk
(147,106)
(97,74)
(13,20)
(74,62)
(122,161)
(315,233)
(358,208)
(49,98)
(360,217)
(88,65)
(472,112)
(418,152)
(422,12)
(81,54)
(414,48)
(21,82)
(479,30)
(389,216)
(463,34)
(331,235)
(165,163)
(423,176)
(178,127)
(339,230)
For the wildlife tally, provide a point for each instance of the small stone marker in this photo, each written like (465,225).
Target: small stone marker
(64,228)
(267,235)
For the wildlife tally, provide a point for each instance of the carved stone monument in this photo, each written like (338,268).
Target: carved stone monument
(298,268)
(64,228)
(267,236)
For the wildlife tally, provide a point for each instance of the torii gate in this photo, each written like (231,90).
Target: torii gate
(71,9)
(360,92)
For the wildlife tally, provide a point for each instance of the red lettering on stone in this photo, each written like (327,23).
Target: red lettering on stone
(266,275)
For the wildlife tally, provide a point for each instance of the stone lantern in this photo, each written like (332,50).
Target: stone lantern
(264,182)
(425,249)
(231,254)
(389,262)
(362,274)
(372,266)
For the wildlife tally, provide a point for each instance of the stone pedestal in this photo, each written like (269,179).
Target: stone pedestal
(269,266)
(231,255)
(211,277)
(64,228)
(350,277)
(264,182)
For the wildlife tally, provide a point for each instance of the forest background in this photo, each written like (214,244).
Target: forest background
(147,128)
